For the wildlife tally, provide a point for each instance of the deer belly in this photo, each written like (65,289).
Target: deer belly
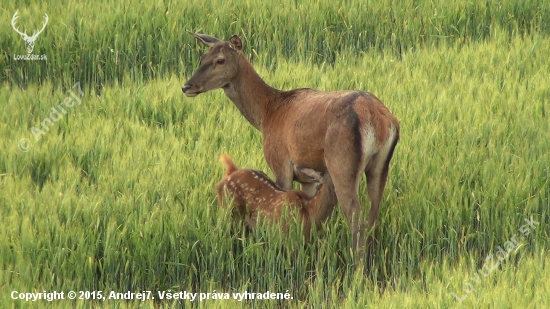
(308,156)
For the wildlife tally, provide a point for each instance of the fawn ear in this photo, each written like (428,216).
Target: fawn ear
(205,39)
(236,42)
(307,175)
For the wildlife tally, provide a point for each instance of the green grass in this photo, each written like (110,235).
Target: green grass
(148,40)
(118,195)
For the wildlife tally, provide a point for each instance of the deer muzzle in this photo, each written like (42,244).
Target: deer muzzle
(187,89)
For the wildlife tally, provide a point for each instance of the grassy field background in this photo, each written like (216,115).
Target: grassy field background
(118,193)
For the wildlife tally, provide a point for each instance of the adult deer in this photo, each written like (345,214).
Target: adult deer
(346,132)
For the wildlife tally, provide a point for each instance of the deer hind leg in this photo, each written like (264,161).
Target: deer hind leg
(346,184)
(376,182)
(345,163)
(377,175)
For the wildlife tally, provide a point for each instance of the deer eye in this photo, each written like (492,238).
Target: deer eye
(220,61)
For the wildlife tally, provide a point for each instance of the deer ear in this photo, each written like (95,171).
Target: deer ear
(308,175)
(236,42)
(205,39)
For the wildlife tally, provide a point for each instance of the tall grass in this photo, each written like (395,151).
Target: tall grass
(118,194)
(103,43)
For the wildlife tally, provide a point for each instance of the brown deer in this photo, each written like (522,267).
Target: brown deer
(346,133)
(255,195)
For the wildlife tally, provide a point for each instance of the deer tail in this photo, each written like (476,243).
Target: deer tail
(227,162)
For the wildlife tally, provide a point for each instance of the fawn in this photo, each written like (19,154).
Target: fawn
(254,194)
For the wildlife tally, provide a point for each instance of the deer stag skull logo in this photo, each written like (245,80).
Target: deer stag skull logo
(29,40)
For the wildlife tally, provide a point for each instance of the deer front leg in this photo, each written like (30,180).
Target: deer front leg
(283,178)
(283,173)
(279,163)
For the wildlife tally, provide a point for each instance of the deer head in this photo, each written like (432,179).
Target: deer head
(29,40)
(217,67)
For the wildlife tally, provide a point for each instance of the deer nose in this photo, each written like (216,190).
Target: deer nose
(185,88)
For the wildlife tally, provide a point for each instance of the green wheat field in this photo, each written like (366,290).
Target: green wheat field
(115,193)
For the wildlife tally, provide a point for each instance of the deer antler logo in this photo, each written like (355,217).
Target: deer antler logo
(29,40)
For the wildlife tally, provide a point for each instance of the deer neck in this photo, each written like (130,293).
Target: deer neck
(252,96)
